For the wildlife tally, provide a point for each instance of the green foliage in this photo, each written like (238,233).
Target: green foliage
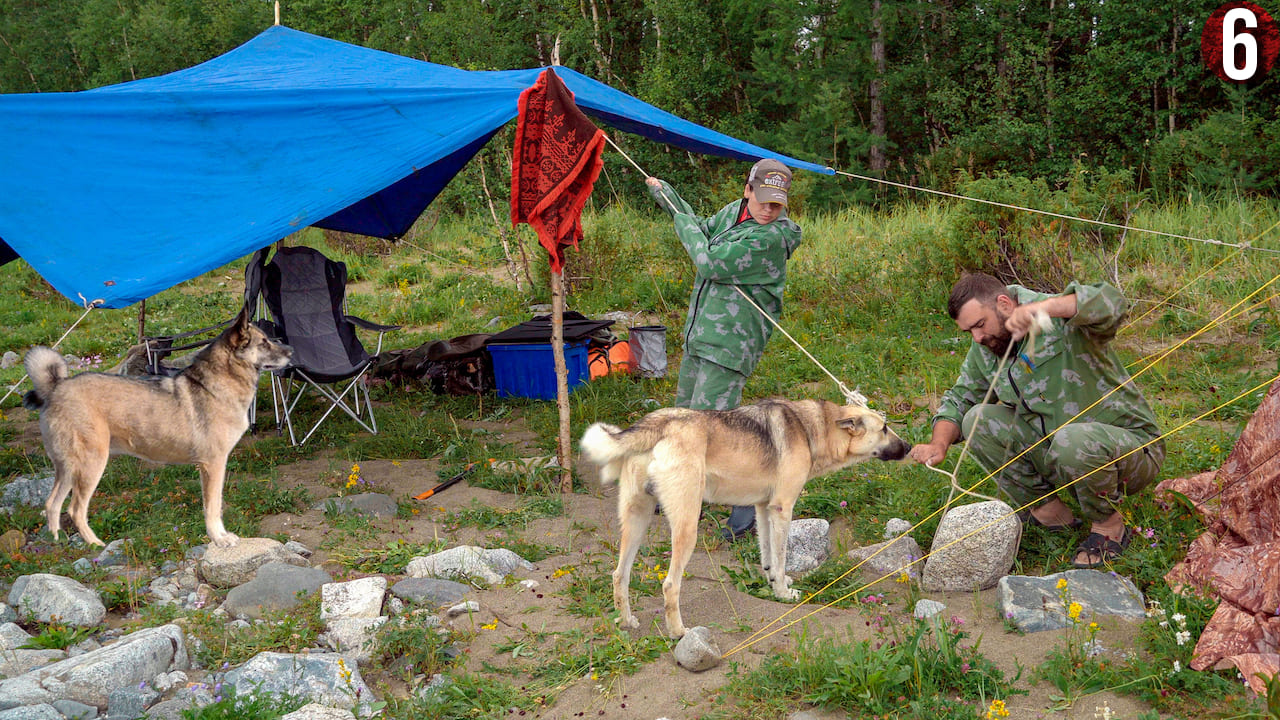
(467,695)
(250,706)
(286,631)
(409,646)
(1228,154)
(923,669)
(57,636)
(486,517)
(390,559)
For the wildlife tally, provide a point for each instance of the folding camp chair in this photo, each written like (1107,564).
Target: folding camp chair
(305,293)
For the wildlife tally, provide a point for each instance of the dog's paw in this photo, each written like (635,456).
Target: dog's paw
(788,594)
(226,540)
(629,621)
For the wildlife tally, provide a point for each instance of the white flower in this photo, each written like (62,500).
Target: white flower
(1177,666)
(1104,712)
(1180,619)
(1182,637)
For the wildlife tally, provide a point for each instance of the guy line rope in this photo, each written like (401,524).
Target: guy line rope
(89,305)
(761,635)
(857,397)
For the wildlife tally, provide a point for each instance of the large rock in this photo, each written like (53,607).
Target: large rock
(316,711)
(808,544)
(236,565)
(372,504)
(431,592)
(360,598)
(353,636)
(326,678)
(30,490)
(42,711)
(275,587)
(16,662)
(468,561)
(1037,603)
(53,598)
(696,651)
(90,678)
(12,637)
(890,558)
(974,547)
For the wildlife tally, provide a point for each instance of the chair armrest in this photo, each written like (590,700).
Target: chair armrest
(365,324)
(190,333)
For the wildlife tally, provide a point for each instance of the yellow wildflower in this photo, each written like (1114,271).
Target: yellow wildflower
(490,626)
(561,572)
(903,578)
(997,710)
(1073,611)
(1062,583)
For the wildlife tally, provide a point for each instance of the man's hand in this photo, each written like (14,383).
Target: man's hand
(928,453)
(652,181)
(1035,314)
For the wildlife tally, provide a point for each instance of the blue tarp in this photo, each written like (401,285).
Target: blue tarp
(121,192)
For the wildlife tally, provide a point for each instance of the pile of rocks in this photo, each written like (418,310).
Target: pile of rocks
(155,671)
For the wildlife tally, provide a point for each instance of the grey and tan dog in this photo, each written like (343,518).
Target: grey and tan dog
(760,454)
(195,417)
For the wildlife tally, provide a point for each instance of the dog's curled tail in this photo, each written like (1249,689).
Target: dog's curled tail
(46,369)
(600,446)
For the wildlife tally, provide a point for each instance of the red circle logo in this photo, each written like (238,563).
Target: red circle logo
(1240,42)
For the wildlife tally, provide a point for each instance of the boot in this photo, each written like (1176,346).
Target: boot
(742,522)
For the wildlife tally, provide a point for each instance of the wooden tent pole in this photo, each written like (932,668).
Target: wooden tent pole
(142,319)
(563,448)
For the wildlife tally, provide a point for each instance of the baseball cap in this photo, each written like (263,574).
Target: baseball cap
(771,180)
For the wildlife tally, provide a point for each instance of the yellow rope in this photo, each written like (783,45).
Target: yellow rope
(757,637)
(1162,303)
(1028,449)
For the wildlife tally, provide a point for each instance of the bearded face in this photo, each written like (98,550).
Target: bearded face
(1000,337)
(985,322)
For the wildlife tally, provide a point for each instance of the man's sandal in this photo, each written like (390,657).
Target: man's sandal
(1102,547)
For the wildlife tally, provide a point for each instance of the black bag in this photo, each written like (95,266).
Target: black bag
(457,366)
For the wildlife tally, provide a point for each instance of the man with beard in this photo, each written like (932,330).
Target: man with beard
(1067,370)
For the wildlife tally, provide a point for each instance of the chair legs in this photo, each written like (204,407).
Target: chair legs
(352,398)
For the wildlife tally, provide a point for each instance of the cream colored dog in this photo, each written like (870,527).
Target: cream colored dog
(760,454)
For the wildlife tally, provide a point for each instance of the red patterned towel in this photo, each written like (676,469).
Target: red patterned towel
(554,166)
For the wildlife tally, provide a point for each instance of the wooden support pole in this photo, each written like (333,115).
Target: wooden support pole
(564,448)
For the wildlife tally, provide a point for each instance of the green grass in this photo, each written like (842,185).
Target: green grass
(866,294)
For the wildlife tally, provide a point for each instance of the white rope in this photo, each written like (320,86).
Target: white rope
(89,306)
(1210,241)
(1040,323)
(852,397)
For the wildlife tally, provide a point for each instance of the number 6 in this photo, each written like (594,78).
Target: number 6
(1230,41)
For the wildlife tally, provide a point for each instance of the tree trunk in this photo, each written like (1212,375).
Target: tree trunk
(878,124)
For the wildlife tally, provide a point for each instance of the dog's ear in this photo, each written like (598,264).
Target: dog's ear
(856,424)
(240,328)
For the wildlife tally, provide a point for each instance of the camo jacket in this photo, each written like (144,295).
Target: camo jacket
(721,326)
(1069,368)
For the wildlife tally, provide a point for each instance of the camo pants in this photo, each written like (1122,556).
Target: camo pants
(704,385)
(1076,451)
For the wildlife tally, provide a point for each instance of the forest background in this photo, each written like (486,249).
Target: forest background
(927,93)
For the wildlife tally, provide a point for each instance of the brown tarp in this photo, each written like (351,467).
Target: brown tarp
(1237,559)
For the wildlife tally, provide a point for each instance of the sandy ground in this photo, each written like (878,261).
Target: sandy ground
(587,533)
